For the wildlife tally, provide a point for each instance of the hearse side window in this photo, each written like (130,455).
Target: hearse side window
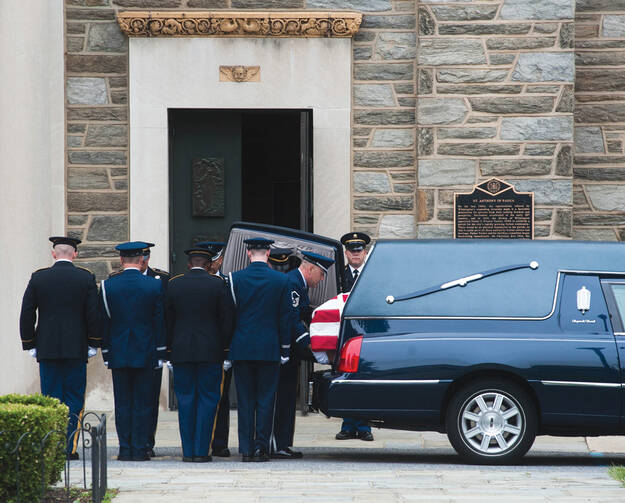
(615,296)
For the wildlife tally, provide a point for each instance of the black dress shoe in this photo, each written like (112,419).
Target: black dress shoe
(187,459)
(202,459)
(286,454)
(345,435)
(124,458)
(145,457)
(365,435)
(261,457)
(151,453)
(247,458)
(73,456)
(222,453)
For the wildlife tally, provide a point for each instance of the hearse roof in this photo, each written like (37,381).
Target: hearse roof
(435,270)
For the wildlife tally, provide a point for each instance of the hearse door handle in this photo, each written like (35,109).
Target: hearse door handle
(461,281)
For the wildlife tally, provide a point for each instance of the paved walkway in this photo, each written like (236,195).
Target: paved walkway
(398,466)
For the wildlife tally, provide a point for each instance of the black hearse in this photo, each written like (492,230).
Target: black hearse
(491,342)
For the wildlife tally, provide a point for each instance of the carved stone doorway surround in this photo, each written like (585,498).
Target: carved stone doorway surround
(174,62)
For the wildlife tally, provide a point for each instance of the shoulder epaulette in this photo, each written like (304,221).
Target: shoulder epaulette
(160,271)
(42,269)
(84,269)
(115,273)
(176,276)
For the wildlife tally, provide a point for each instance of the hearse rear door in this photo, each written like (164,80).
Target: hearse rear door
(614,290)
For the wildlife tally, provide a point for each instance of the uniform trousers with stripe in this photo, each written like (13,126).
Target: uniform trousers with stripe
(198,389)
(256,382)
(157,376)
(66,380)
(222,428)
(284,411)
(131,389)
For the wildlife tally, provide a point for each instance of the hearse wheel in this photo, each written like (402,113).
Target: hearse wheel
(491,421)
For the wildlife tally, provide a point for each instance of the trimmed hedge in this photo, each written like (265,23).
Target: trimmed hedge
(38,415)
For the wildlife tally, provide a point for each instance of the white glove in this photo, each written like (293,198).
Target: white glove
(283,360)
(321,357)
(33,352)
(170,366)
(227,365)
(106,364)
(91,352)
(159,365)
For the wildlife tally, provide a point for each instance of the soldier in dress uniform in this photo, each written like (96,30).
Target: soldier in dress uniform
(200,316)
(355,244)
(310,273)
(219,446)
(133,345)
(59,324)
(261,342)
(157,373)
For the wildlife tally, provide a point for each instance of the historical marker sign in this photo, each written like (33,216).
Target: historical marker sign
(494,210)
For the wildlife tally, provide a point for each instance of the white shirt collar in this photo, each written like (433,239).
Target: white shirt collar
(198,268)
(352,269)
(145,273)
(63,260)
(137,268)
(303,278)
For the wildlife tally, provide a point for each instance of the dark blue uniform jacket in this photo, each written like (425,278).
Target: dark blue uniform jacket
(132,306)
(300,301)
(263,314)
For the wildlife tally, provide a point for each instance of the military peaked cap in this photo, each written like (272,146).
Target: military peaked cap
(215,247)
(132,248)
(64,240)
(320,261)
(280,255)
(355,241)
(258,243)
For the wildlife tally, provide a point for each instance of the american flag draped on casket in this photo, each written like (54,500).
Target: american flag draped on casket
(325,323)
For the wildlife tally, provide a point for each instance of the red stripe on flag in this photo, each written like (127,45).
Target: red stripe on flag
(326,316)
(323,342)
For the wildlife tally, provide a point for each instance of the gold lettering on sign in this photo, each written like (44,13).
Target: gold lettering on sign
(239,23)
(239,73)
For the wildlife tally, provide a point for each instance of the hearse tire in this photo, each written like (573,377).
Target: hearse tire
(491,421)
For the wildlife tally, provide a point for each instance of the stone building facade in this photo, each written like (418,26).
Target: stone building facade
(444,95)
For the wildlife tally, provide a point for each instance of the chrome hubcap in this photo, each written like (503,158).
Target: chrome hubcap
(491,423)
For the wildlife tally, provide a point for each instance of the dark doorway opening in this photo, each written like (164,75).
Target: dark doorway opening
(230,165)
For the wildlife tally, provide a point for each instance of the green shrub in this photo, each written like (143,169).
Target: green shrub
(38,415)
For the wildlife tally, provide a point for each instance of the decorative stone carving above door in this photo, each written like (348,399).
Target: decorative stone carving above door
(239,24)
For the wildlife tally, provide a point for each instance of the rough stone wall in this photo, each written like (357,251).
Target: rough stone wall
(599,173)
(495,99)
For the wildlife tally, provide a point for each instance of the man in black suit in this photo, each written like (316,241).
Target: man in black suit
(157,373)
(59,323)
(199,314)
(355,244)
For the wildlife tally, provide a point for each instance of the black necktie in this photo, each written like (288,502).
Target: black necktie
(355,274)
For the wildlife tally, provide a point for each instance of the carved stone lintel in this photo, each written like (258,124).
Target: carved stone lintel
(239,73)
(239,24)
